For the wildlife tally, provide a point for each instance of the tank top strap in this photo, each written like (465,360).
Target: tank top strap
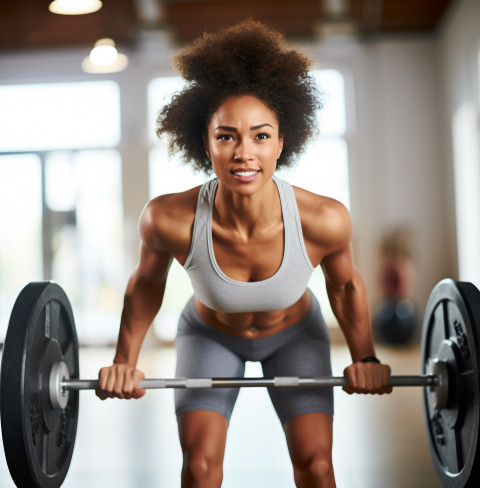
(292,216)
(205,201)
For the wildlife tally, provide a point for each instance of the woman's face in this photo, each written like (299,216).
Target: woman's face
(243,143)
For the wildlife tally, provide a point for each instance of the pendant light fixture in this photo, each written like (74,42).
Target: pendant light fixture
(74,7)
(104,58)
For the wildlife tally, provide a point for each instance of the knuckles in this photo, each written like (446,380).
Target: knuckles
(368,378)
(119,381)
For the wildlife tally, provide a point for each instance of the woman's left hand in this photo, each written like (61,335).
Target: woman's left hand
(367,378)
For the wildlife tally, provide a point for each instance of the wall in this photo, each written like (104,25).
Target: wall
(459,49)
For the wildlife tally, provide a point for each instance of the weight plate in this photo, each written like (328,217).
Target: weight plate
(38,439)
(451,332)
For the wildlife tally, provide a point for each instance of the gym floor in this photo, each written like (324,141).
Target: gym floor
(379,442)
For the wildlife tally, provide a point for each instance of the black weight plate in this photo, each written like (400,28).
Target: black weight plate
(38,439)
(451,332)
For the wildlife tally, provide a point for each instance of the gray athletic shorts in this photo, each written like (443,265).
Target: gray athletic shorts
(302,349)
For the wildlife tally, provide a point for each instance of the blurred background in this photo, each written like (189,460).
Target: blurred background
(79,159)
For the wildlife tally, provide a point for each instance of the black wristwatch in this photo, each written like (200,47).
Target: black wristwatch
(370,359)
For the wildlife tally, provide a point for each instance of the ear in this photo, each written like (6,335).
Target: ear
(205,146)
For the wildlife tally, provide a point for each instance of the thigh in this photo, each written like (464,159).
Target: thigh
(308,355)
(203,433)
(200,356)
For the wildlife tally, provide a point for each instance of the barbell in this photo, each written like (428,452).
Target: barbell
(39,384)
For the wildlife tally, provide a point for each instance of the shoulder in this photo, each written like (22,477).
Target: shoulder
(167,220)
(324,220)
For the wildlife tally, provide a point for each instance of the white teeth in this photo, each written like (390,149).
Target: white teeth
(245,173)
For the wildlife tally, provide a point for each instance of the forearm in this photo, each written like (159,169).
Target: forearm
(350,306)
(141,304)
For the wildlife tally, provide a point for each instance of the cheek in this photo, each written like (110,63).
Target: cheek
(217,150)
(220,154)
(275,151)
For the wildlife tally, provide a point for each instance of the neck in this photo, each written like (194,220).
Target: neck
(247,213)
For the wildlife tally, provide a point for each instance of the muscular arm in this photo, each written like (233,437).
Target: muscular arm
(348,298)
(143,299)
(327,231)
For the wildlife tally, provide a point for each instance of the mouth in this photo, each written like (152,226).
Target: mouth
(245,173)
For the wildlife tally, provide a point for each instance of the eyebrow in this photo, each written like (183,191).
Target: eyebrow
(234,129)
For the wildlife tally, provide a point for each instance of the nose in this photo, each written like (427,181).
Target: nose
(243,151)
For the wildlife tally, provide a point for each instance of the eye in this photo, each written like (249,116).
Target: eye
(263,135)
(224,137)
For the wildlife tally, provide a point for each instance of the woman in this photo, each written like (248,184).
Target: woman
(249,242)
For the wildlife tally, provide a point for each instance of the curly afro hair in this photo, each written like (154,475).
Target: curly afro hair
(247,59)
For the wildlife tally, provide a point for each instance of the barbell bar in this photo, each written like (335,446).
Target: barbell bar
(39,384)
(278,381)
(60,383)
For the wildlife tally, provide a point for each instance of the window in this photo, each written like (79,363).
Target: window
(467,191)
(61,199)
(83,201)
(59,116)
(21,228)
(323,169)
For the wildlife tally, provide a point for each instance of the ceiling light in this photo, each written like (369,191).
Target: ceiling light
(74,7)
(104,58)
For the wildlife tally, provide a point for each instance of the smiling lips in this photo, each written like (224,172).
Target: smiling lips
(245,175)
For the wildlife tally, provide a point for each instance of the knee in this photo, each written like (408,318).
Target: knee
(321,469)
(201,470)
(316,472)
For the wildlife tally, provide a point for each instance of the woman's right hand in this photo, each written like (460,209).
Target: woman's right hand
(120,381)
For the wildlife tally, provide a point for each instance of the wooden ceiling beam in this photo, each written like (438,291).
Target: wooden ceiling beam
(189,19)
(27,24)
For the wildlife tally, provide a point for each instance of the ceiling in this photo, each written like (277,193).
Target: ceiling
(28,25)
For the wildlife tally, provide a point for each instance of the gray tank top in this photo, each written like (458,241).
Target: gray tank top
(221,293)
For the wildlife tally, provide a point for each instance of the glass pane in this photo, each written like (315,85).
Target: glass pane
(160,91)
(332,116)
(59,115)
(88,245)
(323,169)
(467,191)
(21,229)
(170,174)
(60,185)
